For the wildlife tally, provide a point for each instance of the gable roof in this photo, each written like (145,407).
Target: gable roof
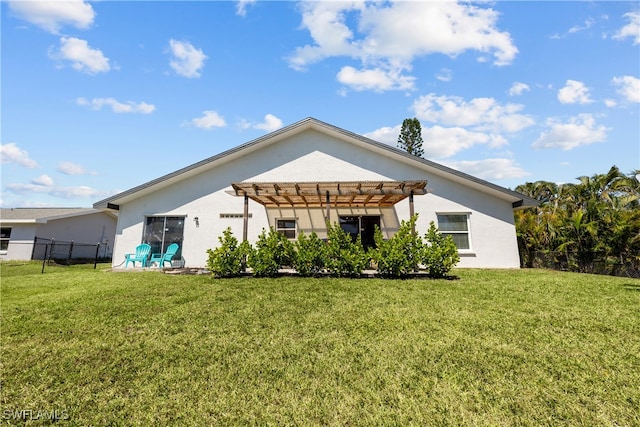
(518,200)
(41,215)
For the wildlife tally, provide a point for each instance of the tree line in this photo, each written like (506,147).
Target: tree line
(596,219)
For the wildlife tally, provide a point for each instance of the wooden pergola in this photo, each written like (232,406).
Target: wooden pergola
(327,194)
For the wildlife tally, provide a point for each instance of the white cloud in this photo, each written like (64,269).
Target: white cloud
(116,106)
(574,92)
(377,79)
(56,191)
(209,120)
(70,168)
(439,142)
(610,103)
(517,88)
(632,29)
(11,153)
(241,6)
(186,60)
(51,15)
(445,75)
(388,135)
(629,87)
(579,130)
(481,114)
(44,180)
(489,169)
(270,123)
(82,57)
(577,28)
(380,41)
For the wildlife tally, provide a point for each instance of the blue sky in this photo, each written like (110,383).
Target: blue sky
(98,97)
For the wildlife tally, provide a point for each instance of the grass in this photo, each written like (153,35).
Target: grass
(524,347)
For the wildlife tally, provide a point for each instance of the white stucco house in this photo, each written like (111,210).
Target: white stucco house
(296,178)
(24,231)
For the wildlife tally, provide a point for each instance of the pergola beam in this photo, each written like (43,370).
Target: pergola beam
(319,194)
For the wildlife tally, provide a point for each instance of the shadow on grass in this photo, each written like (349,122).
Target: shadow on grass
(632,286)
(365,275)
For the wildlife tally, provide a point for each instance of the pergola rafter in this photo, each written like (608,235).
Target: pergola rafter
(331,194)
(341,193)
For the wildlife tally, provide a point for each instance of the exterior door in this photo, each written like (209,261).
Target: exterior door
(161,231)
(364,226)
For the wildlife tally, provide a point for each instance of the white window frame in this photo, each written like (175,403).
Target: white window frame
(6,239)
(467,232)
(283,230)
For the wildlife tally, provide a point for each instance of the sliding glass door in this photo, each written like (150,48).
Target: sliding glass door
(161,231)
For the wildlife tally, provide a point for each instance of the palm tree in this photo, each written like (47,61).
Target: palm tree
(599,216)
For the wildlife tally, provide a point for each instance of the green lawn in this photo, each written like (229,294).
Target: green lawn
(525,347)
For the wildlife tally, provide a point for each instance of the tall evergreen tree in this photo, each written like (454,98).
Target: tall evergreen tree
(410,138)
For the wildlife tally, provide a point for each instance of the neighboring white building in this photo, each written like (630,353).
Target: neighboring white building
(285,179)
(21,227)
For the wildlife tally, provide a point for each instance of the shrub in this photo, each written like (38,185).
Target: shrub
(228,259)
(273,250)
(344,257)
(440,253)
(309,255)
(401,254)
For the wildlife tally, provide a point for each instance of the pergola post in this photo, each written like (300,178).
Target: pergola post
(411,212)
(328,218)
(245,225)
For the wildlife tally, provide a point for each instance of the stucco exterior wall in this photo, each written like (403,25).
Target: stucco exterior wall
(315,156)
(98,227)
(20,243)
(95,228)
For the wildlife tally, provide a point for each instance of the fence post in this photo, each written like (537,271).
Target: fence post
(95,261)
(33,249)
(44,258)
(53,245)
(70,252)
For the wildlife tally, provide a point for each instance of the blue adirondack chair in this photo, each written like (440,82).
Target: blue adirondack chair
(172,249)
(141,255)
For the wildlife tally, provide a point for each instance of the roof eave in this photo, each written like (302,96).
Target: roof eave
(114,202)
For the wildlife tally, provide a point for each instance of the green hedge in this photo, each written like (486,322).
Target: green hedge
(404,253)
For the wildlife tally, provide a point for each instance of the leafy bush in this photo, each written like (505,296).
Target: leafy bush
(309,255)
(273,250)
(401,254)
(228,259)
(440,253)
(343,256)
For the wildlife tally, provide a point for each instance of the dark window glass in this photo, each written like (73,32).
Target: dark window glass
(456,226)
(5,235)
(161,231)
(287,227)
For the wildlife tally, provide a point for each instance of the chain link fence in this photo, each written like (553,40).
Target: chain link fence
(68,253)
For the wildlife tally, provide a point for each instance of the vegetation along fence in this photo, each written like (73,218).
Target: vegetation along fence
(584,262)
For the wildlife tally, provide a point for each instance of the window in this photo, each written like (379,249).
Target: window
(456,226)
(5,235)
(287,227)
(161,231)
